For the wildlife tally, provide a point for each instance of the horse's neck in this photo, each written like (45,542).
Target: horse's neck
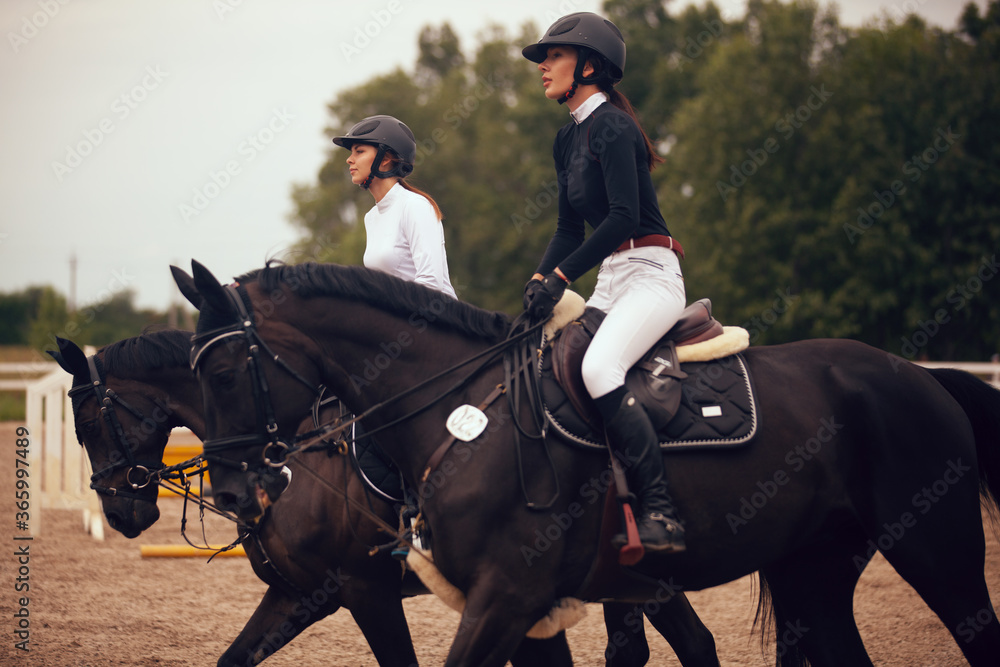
(392,366)
(381,358)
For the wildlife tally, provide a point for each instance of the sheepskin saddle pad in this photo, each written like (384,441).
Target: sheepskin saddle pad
(693,382)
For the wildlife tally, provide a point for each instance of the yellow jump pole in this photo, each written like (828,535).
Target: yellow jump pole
(186,551)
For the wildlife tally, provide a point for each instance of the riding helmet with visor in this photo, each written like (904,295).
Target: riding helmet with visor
(588,32)
(386,133)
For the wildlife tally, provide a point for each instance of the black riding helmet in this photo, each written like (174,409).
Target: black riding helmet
(587,32)
(385,133)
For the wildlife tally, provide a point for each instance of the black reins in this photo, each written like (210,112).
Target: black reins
(107,400)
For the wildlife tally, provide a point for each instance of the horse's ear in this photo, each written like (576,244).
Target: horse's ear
(70,358)
(185,284)
(211,290)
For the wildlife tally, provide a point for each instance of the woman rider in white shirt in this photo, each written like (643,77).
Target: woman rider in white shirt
(405,235)
(404,231)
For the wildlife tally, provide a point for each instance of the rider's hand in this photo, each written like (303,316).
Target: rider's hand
(530,288)
(546,293)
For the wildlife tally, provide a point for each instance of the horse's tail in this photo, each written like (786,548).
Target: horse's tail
(981,403)
(767,621)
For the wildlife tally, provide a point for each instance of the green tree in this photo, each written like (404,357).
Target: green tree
(96,324)
(827,180)
(17,310)
(49,321)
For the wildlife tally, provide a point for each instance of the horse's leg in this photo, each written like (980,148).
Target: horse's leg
(278,619)
(679,624)
(552,652)
(380,617)
(813,595)
(627,645)
(674,619)
(493,624)
(941,554)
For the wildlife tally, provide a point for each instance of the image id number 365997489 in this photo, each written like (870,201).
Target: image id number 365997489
(22,544)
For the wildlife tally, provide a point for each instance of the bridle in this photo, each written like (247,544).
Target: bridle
(107,399)
(266,434)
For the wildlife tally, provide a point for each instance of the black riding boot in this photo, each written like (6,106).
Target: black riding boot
(631,433)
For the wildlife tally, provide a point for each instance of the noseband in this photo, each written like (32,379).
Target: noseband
(267,426)
(107,399)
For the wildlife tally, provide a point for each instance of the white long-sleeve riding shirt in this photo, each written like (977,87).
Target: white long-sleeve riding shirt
(406,239)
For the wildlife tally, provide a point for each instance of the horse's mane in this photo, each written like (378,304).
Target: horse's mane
(149,351)
(384,291)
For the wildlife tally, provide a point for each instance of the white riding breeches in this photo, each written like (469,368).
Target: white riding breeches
(642,292)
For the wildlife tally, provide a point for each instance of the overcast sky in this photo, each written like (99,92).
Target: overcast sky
(137,135)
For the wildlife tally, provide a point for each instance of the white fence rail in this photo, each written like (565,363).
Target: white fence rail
(18,375)
(985,370)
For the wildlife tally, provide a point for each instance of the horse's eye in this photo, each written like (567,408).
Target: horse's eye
(90,428)
(223,379)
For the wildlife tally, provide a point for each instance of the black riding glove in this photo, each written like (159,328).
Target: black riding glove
(530,288)
(541,296)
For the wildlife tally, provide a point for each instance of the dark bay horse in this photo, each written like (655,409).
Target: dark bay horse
(856,451)
(312,549)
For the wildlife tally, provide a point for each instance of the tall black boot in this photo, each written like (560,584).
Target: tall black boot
(631,433)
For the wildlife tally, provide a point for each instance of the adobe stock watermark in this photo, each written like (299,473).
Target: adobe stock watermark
(958,296)
(796,458)
(973,625)
(120,281)
(121,108)
(758,324)
(694,47)
(225,7)
(923,501)
(549,195)
(535,206)
(456,115)
(31,25)
(786,126)
(565,7)
(592,492)
(365,34)
(311,607)
(418,322)
(633,620)
(248,150)
(914,168)
(903,9)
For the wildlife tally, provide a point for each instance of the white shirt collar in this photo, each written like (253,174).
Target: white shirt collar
(581,112)
(389,197)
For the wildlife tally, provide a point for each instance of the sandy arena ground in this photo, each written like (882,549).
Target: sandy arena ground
(99,603)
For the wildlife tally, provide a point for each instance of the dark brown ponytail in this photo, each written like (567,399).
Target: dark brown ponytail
(394,160)
(437,211)
(619,100)
(606,82)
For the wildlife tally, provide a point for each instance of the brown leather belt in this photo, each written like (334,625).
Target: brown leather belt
(661,240)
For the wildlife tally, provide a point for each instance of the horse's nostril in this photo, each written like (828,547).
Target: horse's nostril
(114,520)
(227,502)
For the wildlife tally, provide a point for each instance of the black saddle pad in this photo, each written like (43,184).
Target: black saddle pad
(374,467)
(717,409)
